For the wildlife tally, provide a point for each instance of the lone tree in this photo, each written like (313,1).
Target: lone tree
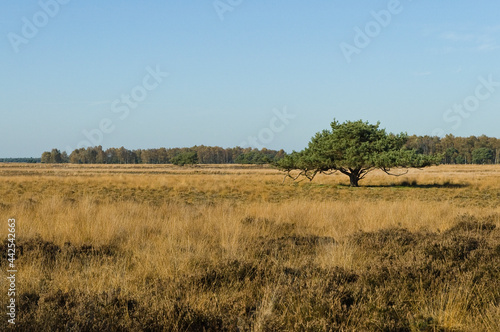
(354,149)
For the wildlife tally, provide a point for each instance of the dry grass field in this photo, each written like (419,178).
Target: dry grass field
(232,248)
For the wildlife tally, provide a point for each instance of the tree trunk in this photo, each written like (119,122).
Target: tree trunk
(354,178)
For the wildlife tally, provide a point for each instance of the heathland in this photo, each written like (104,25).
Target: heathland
(215,247)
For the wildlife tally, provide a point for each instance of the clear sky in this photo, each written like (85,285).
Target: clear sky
(241,72)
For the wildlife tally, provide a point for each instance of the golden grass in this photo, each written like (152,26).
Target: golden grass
(144,225)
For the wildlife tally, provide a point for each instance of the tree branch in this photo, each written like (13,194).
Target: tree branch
(344,171)
(364,172)
(306,173)
(386,171)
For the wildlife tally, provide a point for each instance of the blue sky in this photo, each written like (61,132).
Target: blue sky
(261,73)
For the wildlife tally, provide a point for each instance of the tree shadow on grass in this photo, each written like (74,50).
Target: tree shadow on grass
(412,184)
(404,184)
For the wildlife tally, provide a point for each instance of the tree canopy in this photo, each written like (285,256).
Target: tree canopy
(354,148)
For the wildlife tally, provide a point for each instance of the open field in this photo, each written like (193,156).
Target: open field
(158,247)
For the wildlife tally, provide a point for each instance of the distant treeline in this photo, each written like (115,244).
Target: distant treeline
(459,150)
(20,160)
(180,156)
(455,150)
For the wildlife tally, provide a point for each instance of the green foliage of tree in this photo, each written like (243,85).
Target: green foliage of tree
(483,156)
(185,158)
(354,149)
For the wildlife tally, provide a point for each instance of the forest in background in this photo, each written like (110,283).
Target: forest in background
(179,156)
(20,160)
(455,150)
